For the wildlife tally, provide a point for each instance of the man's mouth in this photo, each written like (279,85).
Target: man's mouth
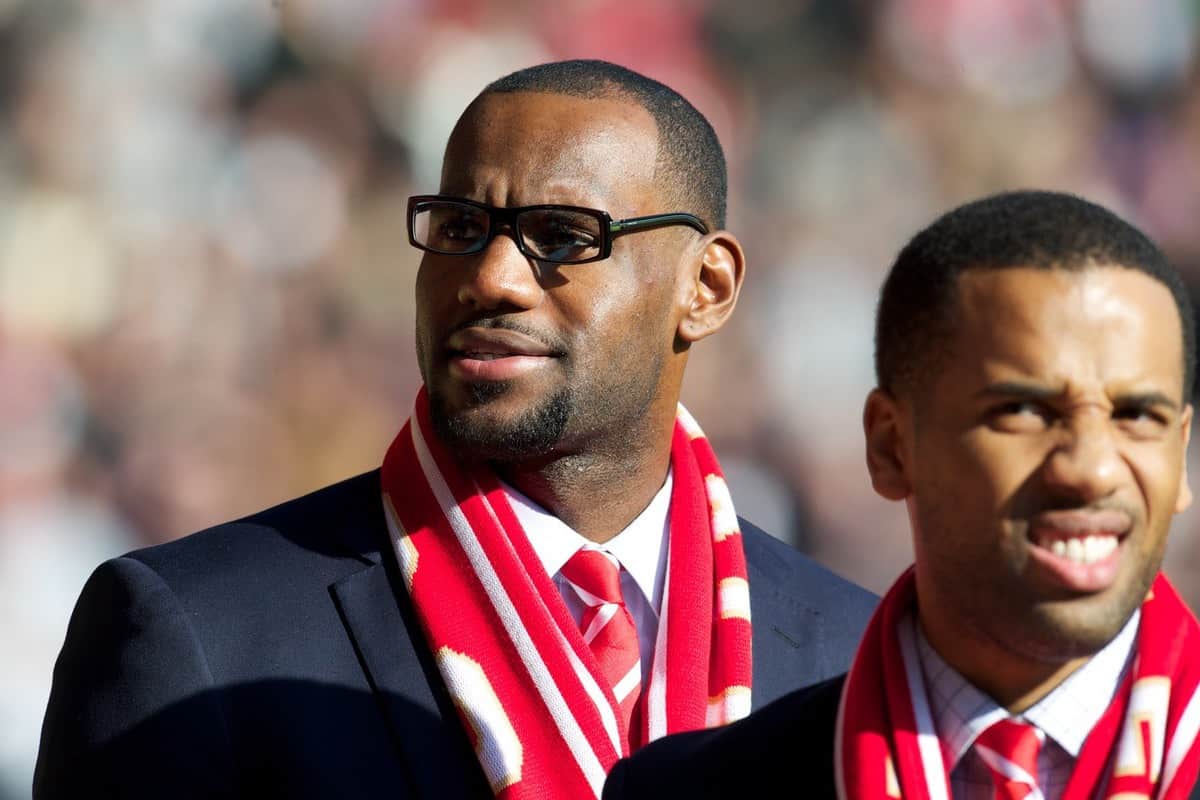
(1082,550)
(496,354)
(481,355)
(1079,550)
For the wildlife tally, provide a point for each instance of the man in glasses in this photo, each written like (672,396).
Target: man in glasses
(548,570)
(1035,357)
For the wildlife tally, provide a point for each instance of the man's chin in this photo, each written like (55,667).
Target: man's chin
(1061,631)
(495,427)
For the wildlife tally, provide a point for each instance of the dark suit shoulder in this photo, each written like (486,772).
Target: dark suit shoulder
(253,588)
(221,661)
(131,650)
(790,737)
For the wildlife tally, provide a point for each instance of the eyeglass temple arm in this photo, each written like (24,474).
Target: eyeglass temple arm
(634,224)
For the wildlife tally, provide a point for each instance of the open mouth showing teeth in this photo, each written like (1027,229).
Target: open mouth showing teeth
(1082,549)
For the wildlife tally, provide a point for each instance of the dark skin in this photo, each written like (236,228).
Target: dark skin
(612,337)
(1057,413)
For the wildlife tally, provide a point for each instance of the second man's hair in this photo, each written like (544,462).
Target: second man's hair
(1038,229)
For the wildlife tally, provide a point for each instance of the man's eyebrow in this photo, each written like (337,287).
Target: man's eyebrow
(1145,400)
(1029,391)
(1033,391)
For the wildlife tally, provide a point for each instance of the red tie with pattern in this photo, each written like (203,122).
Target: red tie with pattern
(1010,750)
(608,628)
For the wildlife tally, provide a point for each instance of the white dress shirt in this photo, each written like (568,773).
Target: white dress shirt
(1066,715)
(640,548)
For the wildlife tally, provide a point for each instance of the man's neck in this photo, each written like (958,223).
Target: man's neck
(596,497)
(599,490)
(1014,682)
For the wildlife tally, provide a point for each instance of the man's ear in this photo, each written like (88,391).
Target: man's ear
(713,284)
(1184,499)
(887,458)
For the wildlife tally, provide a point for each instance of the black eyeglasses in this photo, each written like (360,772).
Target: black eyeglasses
(550,233)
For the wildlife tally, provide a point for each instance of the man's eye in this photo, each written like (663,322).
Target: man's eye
(566,236)
(1020,407)
(1020,416)
(562,238)
(1140,420)
(460,230)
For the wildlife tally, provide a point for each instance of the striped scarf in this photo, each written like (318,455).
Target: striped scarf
(1145,745)
(542,720)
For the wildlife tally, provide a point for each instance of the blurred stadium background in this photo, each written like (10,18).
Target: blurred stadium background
(206,290)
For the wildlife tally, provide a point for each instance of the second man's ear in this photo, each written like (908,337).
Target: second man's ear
(883,424)
(714,283)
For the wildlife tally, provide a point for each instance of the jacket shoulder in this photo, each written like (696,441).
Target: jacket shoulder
(752,757)
(251,589)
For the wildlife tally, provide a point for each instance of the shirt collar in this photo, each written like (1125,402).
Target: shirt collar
(639,547)
(1067,714)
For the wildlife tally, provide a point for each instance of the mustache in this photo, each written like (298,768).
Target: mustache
(553,343)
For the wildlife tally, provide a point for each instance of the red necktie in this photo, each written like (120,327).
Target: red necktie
(608,628)
(1010,750)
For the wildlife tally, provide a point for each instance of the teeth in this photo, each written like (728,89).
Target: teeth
(1074,550)
(1087,550)
(1104,546)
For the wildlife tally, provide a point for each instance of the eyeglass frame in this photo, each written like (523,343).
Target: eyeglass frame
(499,217)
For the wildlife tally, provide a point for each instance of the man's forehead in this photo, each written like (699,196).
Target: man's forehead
(1115,321)
(531,147)
(1074,295)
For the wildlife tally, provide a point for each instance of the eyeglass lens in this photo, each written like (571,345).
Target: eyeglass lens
(450,227)
(559,235)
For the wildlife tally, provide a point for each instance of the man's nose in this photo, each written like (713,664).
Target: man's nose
(1086,464)
(500,276)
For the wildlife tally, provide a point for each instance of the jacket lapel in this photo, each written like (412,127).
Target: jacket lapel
(377,614)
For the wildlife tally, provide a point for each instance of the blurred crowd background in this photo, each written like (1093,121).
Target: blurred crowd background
(206,291)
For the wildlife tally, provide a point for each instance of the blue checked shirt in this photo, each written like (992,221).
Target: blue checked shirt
(1067,715)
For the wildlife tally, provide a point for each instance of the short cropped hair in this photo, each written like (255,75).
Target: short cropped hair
(691,163)
(1044,230)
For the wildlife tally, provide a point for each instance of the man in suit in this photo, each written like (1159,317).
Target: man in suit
(546,572)
(1034,356)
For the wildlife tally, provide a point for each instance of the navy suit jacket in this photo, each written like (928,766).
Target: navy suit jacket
(785,748)
(279,656)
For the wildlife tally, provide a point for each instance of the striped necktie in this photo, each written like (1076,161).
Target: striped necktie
(1010,750)
(608,628)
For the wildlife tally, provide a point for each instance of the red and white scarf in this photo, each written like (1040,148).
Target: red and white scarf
(1145,744)
(543,722)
